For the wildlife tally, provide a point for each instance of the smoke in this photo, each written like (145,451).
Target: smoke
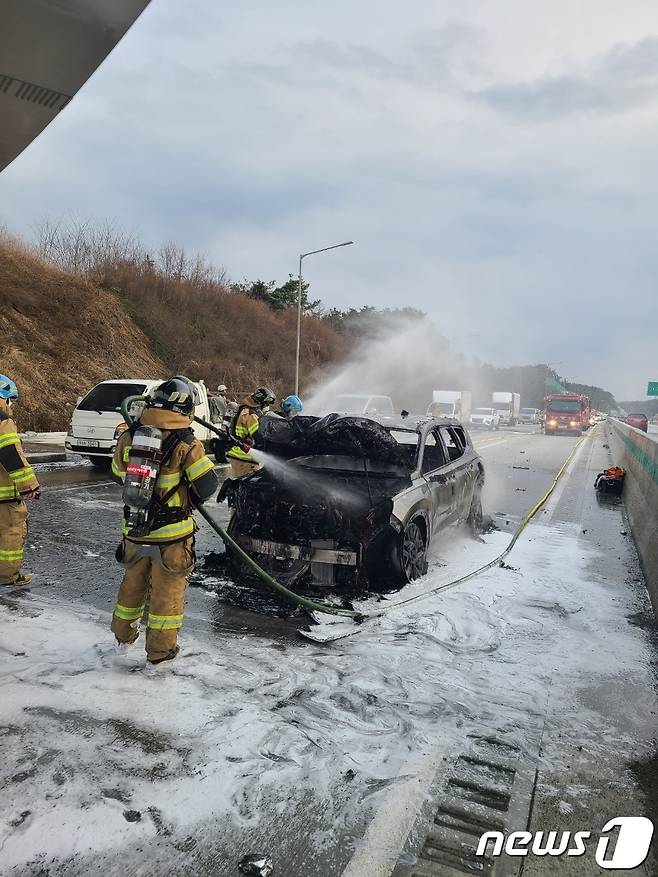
(405,358)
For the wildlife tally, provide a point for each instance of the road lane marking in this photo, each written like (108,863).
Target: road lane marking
(491,444)
(551,506)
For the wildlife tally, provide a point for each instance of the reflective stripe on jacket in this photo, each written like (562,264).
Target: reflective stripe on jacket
(188,469)
(246,427)
(16,474)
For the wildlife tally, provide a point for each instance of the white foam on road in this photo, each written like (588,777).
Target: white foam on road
(87,736)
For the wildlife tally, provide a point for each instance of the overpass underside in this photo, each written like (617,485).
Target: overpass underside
(48,50)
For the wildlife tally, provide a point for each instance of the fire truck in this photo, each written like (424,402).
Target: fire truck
(566,412)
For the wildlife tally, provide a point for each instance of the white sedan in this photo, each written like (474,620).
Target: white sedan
(485,418)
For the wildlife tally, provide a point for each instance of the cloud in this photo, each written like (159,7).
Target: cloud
(252,132)
(623,79)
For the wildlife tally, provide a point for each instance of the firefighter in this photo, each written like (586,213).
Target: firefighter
(159,560)
(245,427)
(17,484)
(218,405)
(291,407)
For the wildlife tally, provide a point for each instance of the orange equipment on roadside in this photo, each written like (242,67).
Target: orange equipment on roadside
(611,480)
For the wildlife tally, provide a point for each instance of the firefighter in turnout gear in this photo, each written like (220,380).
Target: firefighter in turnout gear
(246,424)
(160,461)
(17,484)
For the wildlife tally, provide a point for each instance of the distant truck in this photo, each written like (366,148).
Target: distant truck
(566,412)
(97,421)
(508,406)
(451,403)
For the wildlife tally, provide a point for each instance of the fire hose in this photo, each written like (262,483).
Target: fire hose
(326,608)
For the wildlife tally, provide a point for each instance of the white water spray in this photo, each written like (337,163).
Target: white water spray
(307,479)
(406,360)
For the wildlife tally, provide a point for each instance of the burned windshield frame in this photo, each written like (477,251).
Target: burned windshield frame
(434,455)
(413,446)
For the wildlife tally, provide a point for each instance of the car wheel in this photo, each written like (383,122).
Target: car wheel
(413,550)
(104,464)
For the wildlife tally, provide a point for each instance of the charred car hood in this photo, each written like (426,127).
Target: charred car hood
(332,436)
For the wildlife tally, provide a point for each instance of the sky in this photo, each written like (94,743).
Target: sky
(494,163)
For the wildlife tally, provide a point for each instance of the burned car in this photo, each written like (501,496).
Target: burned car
(349,500)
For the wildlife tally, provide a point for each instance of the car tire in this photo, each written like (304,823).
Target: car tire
(412,553)
(103,464)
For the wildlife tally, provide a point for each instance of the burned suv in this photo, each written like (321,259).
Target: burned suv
(353,501)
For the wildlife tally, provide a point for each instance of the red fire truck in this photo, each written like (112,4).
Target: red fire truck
(566,412)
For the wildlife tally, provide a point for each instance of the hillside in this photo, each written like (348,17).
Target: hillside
(644,406)
(71,324)
(88,304)
(61,335)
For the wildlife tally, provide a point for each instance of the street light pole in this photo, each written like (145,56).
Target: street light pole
(302,256)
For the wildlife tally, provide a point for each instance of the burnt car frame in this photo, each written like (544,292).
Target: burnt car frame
(353,501)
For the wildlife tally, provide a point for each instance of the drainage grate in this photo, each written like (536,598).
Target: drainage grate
(36,94)
(489,788)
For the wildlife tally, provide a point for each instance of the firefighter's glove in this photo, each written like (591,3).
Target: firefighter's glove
(247,445)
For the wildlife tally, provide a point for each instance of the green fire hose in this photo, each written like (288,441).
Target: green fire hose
(271,582)
(265,577)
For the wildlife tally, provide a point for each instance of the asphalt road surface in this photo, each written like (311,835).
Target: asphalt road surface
(326,757)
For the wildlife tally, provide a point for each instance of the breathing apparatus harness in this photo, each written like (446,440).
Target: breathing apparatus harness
(145,511)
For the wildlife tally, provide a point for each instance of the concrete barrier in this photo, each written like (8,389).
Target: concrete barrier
(637,452)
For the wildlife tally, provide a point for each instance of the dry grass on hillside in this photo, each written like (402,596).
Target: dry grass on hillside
(202,328)
(198,322)
(61,336)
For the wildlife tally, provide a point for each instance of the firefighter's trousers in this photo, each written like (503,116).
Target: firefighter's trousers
(13,532)
(157,573)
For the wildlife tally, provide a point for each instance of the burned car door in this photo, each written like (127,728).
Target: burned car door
(470,470)
(435,469)
(459,466)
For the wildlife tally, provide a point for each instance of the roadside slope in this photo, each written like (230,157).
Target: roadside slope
(61,335)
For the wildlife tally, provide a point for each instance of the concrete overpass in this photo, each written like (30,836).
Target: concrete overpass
(48,50)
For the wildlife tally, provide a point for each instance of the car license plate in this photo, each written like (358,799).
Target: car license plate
(88,443)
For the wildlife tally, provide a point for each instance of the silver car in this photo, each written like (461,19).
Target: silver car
(354,501)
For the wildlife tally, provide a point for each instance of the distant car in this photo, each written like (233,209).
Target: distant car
(360,403)
(528,415)
(356,501)
(639,421)
(97,420)
(485,418)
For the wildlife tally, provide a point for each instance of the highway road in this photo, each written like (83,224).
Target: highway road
(330,758)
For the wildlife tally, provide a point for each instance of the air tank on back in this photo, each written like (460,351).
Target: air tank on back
(141,474)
